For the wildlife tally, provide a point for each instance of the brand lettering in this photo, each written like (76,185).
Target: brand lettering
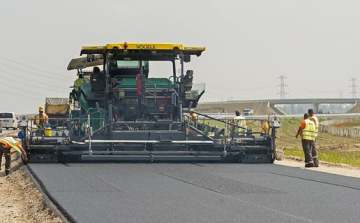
(146,47)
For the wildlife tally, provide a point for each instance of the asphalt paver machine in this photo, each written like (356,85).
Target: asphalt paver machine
(125,113)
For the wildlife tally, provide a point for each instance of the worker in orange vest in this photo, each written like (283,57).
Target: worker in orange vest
(193,116)
(307,132)
(6,144)
(41,119)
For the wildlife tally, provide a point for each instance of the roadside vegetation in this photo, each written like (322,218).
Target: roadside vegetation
(333,149)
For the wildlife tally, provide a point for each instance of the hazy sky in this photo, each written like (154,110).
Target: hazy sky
(249,44)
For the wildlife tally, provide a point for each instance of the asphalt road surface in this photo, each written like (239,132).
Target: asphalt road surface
(209,193)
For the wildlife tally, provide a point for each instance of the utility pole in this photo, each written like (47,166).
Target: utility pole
(282,86)
(353,87)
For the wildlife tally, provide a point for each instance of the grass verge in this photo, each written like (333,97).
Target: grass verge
(333,149)
(351,158)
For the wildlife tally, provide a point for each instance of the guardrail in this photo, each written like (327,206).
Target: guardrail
(323,127)
(339,131)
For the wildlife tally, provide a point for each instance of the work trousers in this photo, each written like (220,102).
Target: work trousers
(307,147)
(7,154)
(314,154)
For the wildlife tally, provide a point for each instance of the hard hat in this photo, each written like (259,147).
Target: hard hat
(41,108)
(191,110)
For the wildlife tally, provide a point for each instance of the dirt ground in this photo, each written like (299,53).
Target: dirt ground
(20,201)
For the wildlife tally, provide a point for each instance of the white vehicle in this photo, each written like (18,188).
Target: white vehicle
(9,120)
(247,112)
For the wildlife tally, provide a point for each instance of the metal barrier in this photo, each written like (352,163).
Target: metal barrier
(338,131)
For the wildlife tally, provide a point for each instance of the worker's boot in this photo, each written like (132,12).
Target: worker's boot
(309,165)
(7,172)
(316,162)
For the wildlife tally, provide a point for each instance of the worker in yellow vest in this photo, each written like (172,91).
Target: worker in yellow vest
(41,119)
(76,86)
(264,126)
(239,120)
(307,132)
(314,151)
(78,82)
(6,144)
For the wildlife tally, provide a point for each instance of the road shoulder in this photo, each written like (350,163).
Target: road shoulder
(340,169)
(20,200)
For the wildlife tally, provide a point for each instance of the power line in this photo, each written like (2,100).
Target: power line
(303,87)
(282,86)
(22,90)
(29,66)
(265,83)
(268,86)
(27,84)
(353,87)
(42,75)
(29,79)
(19,95)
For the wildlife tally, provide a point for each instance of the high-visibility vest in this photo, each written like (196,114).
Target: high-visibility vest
(10,142)
(265,126)
(77,84)
(308,132)
(40,120)
(240,121)
(316,121)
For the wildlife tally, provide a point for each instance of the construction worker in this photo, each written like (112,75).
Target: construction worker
(191,119)
(76,86)
(313,148)
(239,120)
(193,116)
(97,80)
(307,132)
(6,144)
(41,119)
(264,126)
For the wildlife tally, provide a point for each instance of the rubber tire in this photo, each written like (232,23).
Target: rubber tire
(14,128)
(271,158)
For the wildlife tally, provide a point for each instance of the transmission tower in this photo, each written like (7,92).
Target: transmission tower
(282,86)
(353,87)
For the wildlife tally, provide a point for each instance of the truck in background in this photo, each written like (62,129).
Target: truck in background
(247,112)
(57,109)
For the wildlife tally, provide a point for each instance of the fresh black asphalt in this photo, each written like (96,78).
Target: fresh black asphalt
(209,193)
